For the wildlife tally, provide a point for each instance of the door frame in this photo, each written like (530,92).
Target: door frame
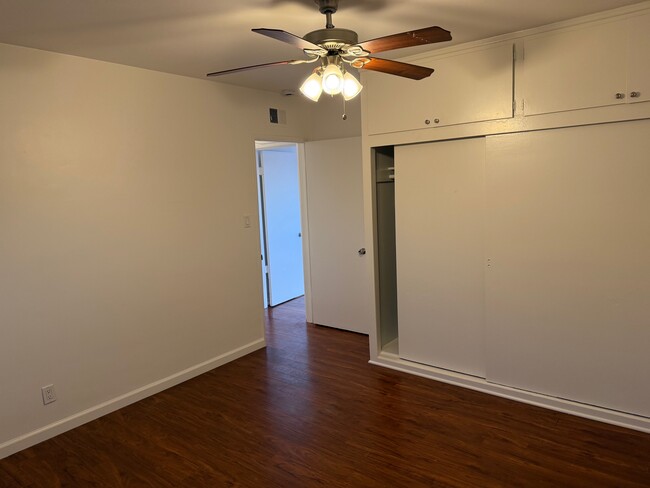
(265,143)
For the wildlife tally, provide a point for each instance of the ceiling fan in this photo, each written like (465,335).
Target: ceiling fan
(335,47)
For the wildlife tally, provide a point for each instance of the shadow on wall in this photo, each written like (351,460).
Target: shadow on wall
(325,119)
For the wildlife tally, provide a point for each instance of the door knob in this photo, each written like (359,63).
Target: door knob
(362,251)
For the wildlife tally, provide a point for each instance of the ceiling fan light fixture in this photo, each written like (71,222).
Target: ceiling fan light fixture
(351,87)
(312,87)
(332,80)
(334,46)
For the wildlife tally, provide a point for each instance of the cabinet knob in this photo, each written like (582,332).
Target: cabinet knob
(635,94)
(362,251)
(620,96)
(427,121)
(437,121)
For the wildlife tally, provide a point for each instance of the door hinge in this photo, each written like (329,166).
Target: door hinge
(260,171)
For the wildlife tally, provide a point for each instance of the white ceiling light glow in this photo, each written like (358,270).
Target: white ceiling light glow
(312,87)
(351,86)
(333,80)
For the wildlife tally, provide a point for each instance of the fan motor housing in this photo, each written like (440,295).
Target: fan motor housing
(332,39)
(327,6)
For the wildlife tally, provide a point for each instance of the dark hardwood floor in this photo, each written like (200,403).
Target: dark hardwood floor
(310,411)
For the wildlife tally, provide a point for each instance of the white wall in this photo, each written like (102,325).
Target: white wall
(125,266)
(324,119)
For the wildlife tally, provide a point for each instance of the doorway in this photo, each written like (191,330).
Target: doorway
(280,221)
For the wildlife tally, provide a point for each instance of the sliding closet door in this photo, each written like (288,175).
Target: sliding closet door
(439,214)
(568,287)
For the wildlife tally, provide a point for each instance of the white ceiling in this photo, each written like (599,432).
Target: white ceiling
(194,37)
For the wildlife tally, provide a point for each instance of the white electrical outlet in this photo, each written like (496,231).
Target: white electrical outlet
(49,395)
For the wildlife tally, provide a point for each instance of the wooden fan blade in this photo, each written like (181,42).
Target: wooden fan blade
(287,37)
(398,68)
(428,35)
(255,66)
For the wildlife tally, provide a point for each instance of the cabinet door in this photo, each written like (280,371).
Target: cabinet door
(568,239)
(469,87)
(639,59)
(478,88)
(439,208)
(396,104)
(575,69)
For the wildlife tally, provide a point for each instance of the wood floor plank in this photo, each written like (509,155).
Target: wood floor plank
(310,411)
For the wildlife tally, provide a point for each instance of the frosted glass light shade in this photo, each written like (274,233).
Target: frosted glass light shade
(312,87)
(351,86)
(332,80)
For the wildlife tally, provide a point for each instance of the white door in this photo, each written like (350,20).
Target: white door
(569,245)
(281,202)
(339,291)
(439,214)
(260,210)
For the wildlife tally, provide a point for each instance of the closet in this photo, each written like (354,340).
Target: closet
(512,241)
(524,259)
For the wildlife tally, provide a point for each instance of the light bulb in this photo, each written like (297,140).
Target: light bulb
(312,88)
(351,86)
(332,80)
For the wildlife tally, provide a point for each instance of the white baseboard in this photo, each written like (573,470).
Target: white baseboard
(591,412)
(22,442)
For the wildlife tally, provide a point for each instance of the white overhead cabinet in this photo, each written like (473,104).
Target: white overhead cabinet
(471,86)
(587,67)
(639,59)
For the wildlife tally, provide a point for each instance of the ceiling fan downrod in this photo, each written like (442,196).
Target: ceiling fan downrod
(328,7)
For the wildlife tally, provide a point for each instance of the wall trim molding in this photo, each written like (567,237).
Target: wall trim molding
(63,425)
(621,419)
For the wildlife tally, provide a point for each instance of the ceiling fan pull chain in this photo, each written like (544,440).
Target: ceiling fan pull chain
(344,116)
